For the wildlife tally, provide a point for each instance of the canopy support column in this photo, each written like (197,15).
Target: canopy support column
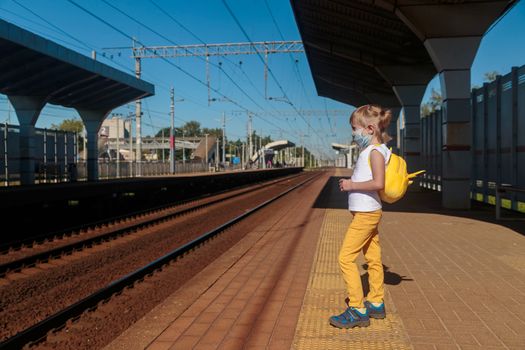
(410,97)
(27,110)
(92,121)
(453,57)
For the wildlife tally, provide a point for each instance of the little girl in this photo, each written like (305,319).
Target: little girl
(369,123)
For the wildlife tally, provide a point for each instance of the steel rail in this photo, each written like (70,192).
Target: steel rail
(46,256)
(28,242)
(38,331)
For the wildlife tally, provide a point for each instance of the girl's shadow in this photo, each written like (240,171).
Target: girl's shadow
(391,278)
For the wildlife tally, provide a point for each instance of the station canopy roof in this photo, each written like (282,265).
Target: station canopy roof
(340,147)
(354,46)
(34,66)
(272,146)
(278,145)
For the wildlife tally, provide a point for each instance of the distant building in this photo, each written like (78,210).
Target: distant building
(110,127)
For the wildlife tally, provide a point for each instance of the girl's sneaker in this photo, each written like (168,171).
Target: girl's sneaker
(350,318)
(375,311)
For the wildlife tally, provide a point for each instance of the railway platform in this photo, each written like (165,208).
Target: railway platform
(454,280)
(56,207)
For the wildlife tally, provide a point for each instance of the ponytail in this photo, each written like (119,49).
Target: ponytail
(385,116)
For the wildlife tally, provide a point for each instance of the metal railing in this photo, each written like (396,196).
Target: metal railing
(497,145)
(501,191)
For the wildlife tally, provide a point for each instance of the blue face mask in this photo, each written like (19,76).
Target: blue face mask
(362,140)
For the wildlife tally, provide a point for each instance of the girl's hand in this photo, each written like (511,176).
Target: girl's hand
(345,185)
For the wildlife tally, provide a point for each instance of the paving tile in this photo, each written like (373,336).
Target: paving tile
(447,276)
(160,345)
(185,342)
(231,343)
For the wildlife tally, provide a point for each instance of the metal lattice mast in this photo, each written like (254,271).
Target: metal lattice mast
(263,47)
(207,50)
(138,123)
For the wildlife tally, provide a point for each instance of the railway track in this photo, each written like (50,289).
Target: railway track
(39,331)
(133,223)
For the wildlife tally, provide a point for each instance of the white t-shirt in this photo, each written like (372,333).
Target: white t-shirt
(366,200)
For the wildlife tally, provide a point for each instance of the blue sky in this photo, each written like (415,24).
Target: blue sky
(209,21)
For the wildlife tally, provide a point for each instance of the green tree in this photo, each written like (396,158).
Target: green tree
(433,104)
(217,132)
(426,109)
(435,98)
(490,76)
(192,128)
(266,140)
(165,131)
(70,125)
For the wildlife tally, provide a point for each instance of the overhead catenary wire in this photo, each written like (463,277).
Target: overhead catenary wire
(191,76)
(167,14)
(56,38)
(232,14)
(87,46)
(198,39)
(133,39)
(50,27)
(294,63)
(174,43)
(230,11)
(91,47)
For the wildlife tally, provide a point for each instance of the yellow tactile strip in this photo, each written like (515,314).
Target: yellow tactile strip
(325,297)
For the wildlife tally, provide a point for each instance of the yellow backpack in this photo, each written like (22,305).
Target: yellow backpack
(397,179)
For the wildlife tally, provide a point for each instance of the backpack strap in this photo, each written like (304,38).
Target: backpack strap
(375,147)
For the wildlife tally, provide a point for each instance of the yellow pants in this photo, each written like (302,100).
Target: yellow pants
(362,235)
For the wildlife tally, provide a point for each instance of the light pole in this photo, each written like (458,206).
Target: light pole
(217,153)
(223,121)
(206,162)
(183,149)
(172,133)
(223,139)
(231,159)
(243,156)
(118,148)
(250,132)
(172,140)
(130,118)
(261,153)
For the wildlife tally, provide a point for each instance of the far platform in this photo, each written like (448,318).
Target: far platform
(60,206)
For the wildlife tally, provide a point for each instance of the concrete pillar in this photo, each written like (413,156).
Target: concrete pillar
(92,121)
(27,110)
(452,45)
(453,58)
(410,97)
(409,82)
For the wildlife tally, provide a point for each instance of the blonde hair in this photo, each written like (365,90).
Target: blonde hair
(374,114)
